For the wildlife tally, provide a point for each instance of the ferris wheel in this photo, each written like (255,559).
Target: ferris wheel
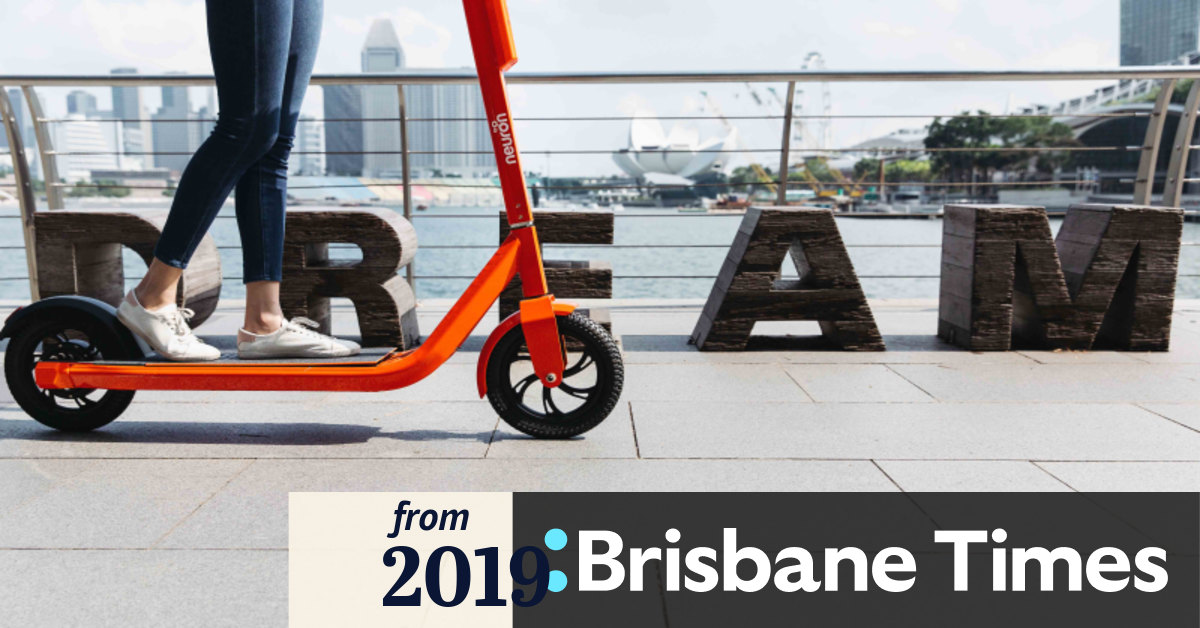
(813,108)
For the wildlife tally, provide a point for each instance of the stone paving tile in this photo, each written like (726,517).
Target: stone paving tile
(113,503)
(1056,383)
(911,349)
(252,510)
(1081,357)
(970,476)
(266,430)
(614,438)
(121,588)
(902,349)
(25,480)
(1185,348)
(861,383)
(1185,413)
(674,349)
(909,431)
(716,382)
(1127,476)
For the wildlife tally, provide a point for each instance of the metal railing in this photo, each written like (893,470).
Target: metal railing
(1169,76)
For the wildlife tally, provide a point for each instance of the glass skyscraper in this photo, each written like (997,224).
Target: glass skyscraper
(1158,31)
(447,131)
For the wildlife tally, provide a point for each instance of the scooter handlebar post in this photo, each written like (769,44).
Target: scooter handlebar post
(492,42)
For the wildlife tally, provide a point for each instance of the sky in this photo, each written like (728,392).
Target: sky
(94,36)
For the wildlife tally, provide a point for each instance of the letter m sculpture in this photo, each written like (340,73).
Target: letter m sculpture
(1002,278)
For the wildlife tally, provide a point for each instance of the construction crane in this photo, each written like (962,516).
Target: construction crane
(850,186)
(799,129)
(799,132)
(763,177)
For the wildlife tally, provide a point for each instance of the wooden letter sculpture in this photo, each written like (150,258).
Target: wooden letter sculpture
(1002,278)
(383,300)
(749,288)
(79,252)
(569,279)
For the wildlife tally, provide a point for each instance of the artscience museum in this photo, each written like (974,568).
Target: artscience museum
(681,153)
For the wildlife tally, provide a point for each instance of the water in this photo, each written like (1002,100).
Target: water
(656,228)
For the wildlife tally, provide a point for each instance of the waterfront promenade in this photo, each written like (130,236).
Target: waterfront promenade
(176,514)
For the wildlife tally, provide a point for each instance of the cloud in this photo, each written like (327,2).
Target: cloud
(158,34)
(425,41)
(633,102)
(882,28)
(35,11)
(949,6)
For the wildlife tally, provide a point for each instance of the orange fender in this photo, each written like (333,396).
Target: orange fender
(514,319)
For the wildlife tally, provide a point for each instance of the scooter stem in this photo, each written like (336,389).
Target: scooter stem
(492,41)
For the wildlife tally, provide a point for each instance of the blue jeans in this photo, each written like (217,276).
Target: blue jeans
(262,54)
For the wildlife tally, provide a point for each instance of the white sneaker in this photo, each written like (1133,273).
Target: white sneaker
(165,330)
(295,339)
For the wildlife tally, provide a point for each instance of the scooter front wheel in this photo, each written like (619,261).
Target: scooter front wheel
(589,390)
(64,339)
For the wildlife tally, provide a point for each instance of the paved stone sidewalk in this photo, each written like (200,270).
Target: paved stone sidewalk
(176,514)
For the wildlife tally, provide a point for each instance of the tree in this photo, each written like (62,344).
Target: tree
(745,180)
(100,187)
(1041,133)
(982,131)
(866,168)
(907,171)
(990,134)
(898,171)
(819,167)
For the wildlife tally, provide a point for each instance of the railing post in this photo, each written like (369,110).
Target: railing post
(54,199)
(785,157)
(26,199)
(406,174)
(1143,186)
(1182,149)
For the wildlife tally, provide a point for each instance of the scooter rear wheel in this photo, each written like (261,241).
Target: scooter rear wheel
(63,339)
(589,390)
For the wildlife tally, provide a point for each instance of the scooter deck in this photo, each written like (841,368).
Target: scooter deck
(369,356)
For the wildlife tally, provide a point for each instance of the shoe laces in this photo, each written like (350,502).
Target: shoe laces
(304,326)
(178,319)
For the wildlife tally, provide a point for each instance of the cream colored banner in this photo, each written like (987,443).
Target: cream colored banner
(337,543)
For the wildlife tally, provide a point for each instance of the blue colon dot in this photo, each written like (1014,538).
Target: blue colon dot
(556,539)
(558,581)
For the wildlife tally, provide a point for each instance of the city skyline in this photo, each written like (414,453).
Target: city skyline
(647,35)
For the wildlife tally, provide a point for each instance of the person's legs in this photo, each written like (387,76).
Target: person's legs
(262,191)
(249,41)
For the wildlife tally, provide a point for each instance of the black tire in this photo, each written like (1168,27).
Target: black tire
(76,339)
(593,362)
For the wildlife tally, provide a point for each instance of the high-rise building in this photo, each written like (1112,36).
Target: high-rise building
(82,103)
(87,145)
(1158,31)
(172,130)
(446,124)
(127,107)
(307,158)
(126,101)
(206,118)
(381,104)
(460,136)
(343,130)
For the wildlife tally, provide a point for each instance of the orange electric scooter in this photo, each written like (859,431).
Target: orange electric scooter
(547,370)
